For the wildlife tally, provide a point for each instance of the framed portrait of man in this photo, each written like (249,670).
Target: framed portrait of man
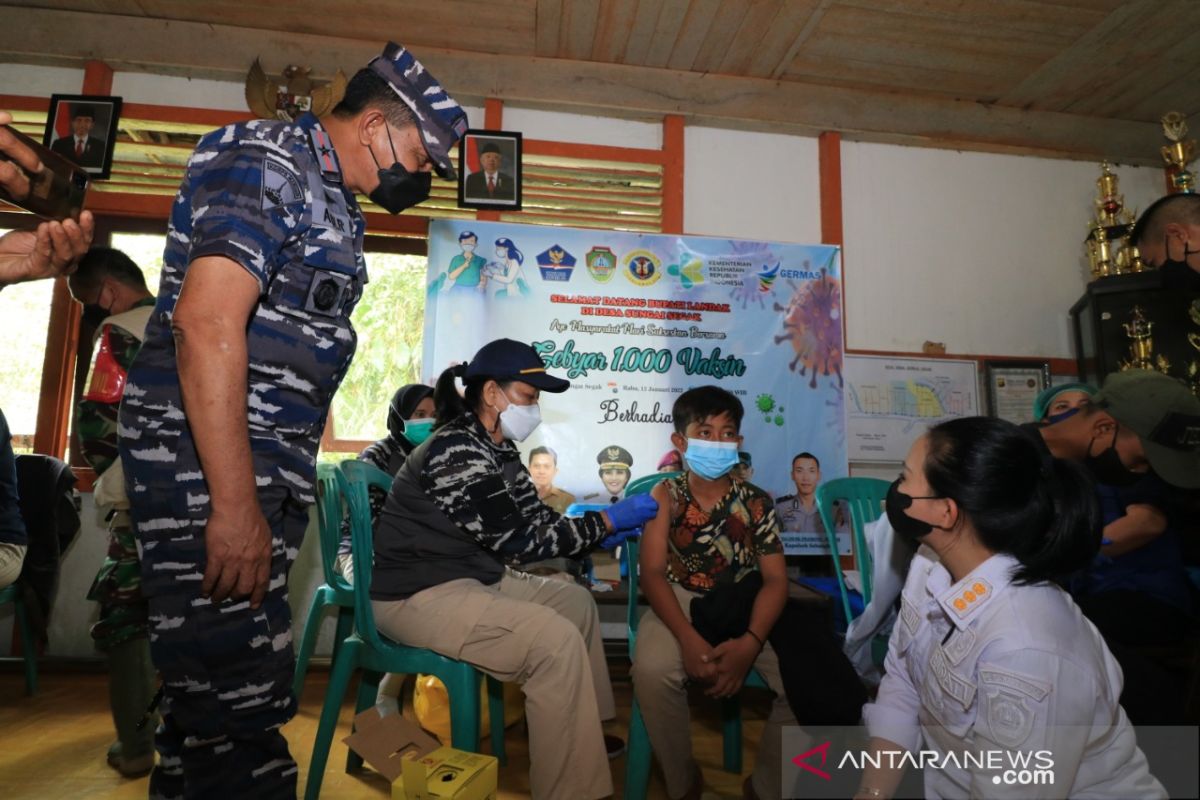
(83,129)
(489,170)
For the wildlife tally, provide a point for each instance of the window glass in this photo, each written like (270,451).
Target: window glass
(146,250)
(389,319)
(25,309)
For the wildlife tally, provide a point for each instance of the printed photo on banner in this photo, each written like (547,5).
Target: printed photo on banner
(632,321)
(83,129)
(489,170)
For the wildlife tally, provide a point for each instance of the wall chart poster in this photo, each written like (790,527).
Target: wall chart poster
(891,401)
(633,320)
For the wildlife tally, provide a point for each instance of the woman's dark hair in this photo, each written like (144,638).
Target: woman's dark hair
(448,404)
(1020,499)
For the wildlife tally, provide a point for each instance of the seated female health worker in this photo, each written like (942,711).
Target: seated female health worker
(463,506)
(989,655)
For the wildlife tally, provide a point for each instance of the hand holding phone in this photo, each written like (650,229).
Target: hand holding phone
(36,178)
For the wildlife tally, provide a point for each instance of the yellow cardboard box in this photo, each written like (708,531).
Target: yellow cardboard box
(416,765)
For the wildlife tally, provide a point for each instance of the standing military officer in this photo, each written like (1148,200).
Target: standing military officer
(228,396)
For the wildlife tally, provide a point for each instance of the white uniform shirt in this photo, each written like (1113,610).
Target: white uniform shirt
(985,664)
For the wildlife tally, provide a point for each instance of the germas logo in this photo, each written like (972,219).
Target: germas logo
(767,276)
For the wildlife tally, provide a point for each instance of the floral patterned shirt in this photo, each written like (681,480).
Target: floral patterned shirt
(722,545)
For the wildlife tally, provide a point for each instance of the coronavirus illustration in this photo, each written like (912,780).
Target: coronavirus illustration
(812,324)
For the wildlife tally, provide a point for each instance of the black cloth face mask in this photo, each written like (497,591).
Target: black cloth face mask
(93,315)
(1177,272)
(895,505)
(398,188)
(1107,468)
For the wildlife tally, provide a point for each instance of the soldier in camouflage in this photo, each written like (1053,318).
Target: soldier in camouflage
(116,306)
(228,396)
(460,509)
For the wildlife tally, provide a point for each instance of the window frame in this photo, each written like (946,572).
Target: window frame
(130,212)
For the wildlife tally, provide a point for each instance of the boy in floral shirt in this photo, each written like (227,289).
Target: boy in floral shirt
(710,532)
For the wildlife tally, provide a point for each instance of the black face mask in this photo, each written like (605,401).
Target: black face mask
(895,505)
(398,188)
(1175,265)
(93,315)
(1107,468)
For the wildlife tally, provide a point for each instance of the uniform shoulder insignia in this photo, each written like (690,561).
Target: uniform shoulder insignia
(280,186)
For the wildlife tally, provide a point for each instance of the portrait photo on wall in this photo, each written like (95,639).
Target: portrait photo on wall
(489,170)
(83,129)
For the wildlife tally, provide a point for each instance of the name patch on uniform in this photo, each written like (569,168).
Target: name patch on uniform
(330,210)
(961,690)
(279,186)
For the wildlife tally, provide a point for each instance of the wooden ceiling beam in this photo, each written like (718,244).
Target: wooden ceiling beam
(1126,38)
(214,51)
(806,30)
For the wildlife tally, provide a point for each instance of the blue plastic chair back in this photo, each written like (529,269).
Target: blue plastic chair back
(863,500)
(357,477)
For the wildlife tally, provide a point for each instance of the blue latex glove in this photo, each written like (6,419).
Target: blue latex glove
(632,512)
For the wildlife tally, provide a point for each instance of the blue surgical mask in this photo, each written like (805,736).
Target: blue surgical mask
(710,460)
(417,430)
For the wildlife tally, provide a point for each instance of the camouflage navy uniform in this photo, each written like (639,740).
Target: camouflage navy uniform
(269,196)
(117,586)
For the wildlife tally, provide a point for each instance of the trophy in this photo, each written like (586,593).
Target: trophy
(1139,331)
(1108,248)
(1179,153)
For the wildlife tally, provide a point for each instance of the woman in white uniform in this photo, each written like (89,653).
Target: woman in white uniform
(988,655)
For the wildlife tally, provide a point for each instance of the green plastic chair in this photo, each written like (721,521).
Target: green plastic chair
(335,592)
(12,594)
(366,650)
(863,497)
(637,763)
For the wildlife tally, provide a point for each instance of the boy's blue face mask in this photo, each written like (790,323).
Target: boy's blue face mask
(417,430)
(710,460)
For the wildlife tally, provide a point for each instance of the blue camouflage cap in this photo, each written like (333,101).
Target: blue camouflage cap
(440,117)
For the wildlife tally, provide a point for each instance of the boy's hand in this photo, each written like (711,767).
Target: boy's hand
(734,658)
(698,659)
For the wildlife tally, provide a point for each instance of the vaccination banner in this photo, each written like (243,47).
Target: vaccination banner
(633,320)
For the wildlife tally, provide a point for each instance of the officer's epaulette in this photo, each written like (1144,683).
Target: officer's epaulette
(322,147)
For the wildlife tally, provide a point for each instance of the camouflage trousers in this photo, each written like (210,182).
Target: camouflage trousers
(118,588)
(226,668)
